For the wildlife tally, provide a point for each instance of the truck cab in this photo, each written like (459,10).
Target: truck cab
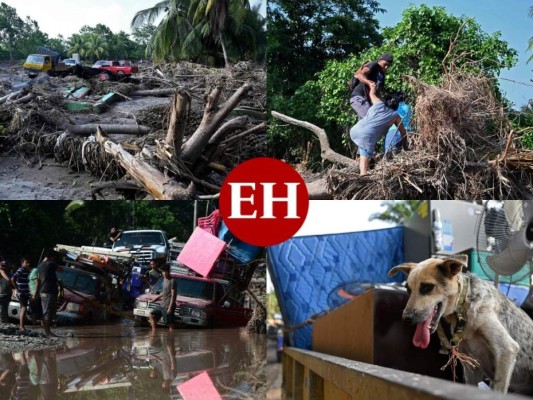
(36,63)
(200,302)
(144,245)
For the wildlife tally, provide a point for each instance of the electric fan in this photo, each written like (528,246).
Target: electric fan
(505,241)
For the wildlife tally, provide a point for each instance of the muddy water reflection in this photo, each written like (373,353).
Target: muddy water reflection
(123,362)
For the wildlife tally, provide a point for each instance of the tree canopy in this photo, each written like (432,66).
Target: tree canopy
(204,31)
(30,226)
(19,37)
(303,35)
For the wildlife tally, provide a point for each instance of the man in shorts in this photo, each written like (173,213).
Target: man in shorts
(168,297)
(20,281)
(366,133)
(47,288)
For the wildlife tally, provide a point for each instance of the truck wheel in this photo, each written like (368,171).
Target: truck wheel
(138,321)
(121,74)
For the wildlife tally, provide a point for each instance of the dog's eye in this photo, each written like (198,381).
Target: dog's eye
(426,288)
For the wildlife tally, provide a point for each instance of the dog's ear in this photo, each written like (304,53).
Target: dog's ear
(453,265)
(405,268)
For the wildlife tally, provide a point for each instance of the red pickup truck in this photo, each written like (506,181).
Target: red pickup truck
(200,302)
(116,68)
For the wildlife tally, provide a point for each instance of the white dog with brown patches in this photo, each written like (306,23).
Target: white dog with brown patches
(486,325)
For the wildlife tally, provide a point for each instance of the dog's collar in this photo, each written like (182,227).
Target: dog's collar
(460,314)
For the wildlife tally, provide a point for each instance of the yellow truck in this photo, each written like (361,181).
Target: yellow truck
(47,61)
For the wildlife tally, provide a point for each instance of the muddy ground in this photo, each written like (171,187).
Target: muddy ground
(28,174)
(34,177)
(12,339)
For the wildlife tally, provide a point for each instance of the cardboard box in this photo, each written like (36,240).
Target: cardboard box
(370,329)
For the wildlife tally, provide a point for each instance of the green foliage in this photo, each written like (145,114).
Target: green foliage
(397,211)
(419,44)
(303,35)
(202,30)
(30,226)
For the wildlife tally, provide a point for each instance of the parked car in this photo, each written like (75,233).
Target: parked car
(115,67)
(70,62)
(200,302)
(99,63)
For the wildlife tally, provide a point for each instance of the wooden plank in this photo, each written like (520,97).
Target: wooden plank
(363,381)
(348,331)
(332,392)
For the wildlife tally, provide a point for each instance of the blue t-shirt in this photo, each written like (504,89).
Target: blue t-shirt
(22,279)
(375,124)
(394,137)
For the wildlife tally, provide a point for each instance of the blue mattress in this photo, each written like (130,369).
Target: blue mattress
(314,274)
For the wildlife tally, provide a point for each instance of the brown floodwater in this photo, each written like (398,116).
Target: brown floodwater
(126,362)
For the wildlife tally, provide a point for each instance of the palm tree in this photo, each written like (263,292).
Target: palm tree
(96,47)
(76,44)
(192,28)
(397,211)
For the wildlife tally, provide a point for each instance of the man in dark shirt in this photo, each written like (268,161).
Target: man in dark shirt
(168,303)
(153,274)
(371,72)
(20,281)
(114,235)
(47,286)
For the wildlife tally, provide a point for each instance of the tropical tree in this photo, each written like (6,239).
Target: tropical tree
(193,29)
(121,46)
(30,37)
(303,35)
(398,211)
(11,27)
(143,34)
(96,47)
(76,44)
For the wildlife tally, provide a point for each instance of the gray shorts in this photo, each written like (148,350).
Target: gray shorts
(49,304)
(360,105)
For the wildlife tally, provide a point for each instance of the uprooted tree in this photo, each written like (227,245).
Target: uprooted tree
(464,147)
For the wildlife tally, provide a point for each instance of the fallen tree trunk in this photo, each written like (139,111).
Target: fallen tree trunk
(89,129)
(154,181)
(153,92)
(325,149)
(212,119)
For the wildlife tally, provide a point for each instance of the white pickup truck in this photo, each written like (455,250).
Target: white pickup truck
(144,245)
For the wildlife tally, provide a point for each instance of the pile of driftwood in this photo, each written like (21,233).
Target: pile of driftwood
(214,119)
(463,147)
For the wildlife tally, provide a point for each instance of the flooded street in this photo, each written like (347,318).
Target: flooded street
(126,362)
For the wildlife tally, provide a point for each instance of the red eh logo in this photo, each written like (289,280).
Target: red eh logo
(264,201)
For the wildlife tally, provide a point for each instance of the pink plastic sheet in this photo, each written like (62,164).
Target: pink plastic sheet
(201,251)
(199,388)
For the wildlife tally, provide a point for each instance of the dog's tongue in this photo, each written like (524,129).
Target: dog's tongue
(421,337)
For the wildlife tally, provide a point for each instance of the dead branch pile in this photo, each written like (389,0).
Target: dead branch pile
(214,121)
(462,149)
